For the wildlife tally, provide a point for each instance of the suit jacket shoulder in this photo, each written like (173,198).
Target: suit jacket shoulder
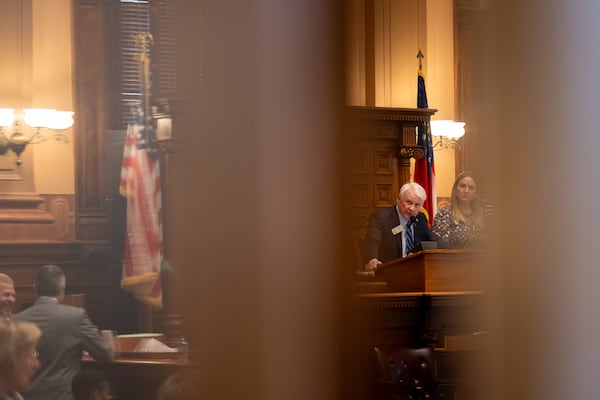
(424,233)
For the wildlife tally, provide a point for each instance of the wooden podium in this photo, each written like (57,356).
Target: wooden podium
(434,298)
(435,271)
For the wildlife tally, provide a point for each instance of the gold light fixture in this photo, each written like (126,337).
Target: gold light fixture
(14,123)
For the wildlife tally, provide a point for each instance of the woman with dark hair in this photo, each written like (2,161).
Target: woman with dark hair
(18,356)
(461,224)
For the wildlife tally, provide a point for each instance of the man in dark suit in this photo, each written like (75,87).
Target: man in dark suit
(66,332)
(395,230)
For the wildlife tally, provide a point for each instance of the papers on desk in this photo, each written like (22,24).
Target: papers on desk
(145,346)
(152,345)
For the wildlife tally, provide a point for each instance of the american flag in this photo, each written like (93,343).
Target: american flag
(140,185)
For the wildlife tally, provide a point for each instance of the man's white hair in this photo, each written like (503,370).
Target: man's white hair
(416,188)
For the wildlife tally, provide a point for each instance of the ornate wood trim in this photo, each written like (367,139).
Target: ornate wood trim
(392,113)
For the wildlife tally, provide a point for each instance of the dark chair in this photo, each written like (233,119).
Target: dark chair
(364,282)
(406,373)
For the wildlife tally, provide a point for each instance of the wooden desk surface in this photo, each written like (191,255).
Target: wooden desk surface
(400,295)
(145,361)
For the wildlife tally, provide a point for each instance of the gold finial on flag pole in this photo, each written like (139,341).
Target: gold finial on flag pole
(142,41)
(420,56)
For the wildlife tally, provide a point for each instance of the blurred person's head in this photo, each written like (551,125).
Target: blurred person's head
(7,295)
(18,354)
(179,386)
(50,281)
(90,385)
(410,200)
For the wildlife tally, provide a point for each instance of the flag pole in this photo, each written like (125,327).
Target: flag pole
(143,40)
(140,179)
(424,172)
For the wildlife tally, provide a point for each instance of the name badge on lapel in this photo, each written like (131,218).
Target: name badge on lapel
(397,229)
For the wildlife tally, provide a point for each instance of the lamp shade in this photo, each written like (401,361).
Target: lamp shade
(48,118)
(60,120)
(7,116)
(37,117)
(447,128)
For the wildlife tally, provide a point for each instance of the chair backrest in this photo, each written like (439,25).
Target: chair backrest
(407,372)
(365,282)
(77,300)
(358,246)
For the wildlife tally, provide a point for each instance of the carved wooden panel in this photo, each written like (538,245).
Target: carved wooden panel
(62,208)
(385,194)
(90,86)
(360,194)
(383,162)
(360,162)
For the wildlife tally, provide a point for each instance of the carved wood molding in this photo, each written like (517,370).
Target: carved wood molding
(20,201)
(13,254)
(456,300)
(22,218)
(389,301)
(392,113)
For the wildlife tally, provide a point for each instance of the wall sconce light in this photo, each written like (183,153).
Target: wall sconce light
(12,128)
(448,132)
